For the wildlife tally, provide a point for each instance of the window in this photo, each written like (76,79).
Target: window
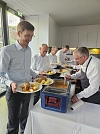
(13,20)
(1,41)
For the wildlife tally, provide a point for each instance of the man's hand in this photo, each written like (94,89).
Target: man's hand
(41,76)
(74,98)
(41,72)
(67,58)
(67,77)
(13,86)
(51,63)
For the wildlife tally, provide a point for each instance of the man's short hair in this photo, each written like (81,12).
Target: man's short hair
(66,46)
(44,45)
(25,25)
(82,51)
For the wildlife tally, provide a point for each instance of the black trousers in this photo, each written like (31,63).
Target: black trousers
(18,104)
(95,98)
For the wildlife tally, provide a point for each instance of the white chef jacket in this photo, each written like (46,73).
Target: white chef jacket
(61,57)
(52,59)
(93,74)
(40,63)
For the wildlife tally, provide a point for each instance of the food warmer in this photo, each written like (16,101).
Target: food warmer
(56,96)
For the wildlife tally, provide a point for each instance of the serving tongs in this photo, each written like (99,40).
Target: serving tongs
(64,81)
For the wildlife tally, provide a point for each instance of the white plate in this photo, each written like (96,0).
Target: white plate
(70,61)
(50,74)
(52,81)
(20,89)
(62,72)
(57,63)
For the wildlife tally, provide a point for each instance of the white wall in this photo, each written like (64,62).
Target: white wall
(43,29)
(54,33)
(41,32)
(47,31)
(34,44)
(77,36)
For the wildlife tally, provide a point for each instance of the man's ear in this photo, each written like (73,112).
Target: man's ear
(39,48)
(85,56)
(18,33)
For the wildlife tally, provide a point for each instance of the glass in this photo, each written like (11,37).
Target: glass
(1,39)
(77,59)
(2,87)
(13,21)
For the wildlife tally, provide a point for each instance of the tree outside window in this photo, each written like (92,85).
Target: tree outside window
(13,21)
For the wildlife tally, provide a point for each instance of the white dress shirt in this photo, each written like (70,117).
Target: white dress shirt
(15,64)
(61,57)
(93,74)
(52,59)
(40,63)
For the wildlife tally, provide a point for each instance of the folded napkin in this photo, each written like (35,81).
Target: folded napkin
(77,104)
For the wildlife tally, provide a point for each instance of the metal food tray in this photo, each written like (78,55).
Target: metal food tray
(59,91)
(59,84)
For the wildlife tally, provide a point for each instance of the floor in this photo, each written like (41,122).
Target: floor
(3,115)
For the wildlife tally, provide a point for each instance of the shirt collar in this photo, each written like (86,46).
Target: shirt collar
(62,51)
(19,47)
(39,54)
(51,54)
(86,62)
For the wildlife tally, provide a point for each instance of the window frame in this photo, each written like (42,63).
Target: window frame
(4,21)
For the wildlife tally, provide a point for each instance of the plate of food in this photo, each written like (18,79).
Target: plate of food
(67,66)
(29,87)
(44,81)
(62,70)
(51,72)
(57,63)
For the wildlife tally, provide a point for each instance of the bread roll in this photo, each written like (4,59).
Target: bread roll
(27,85)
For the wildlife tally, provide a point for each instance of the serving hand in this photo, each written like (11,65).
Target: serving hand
(74,98)
(13,86)
(41,72)
(67,77)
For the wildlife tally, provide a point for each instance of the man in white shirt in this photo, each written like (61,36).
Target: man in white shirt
(89,75)
(52,57)
(40,62)
(61,55)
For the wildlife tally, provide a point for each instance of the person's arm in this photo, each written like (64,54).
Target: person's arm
(4,64)
(73,76)
(76,75)
(50,58)
(94,80)
(33,65)
(48,64)
(59,57)
(33,74)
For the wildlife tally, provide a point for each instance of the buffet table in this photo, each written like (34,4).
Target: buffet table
(84,120)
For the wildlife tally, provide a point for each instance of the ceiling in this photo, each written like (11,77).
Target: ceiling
(63,12)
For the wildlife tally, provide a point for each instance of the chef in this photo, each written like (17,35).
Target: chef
(52,57)
(89,75)
(61,55)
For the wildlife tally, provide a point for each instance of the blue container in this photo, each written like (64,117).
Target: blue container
(55,99)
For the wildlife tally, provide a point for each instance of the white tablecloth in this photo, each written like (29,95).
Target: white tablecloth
(84,120)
